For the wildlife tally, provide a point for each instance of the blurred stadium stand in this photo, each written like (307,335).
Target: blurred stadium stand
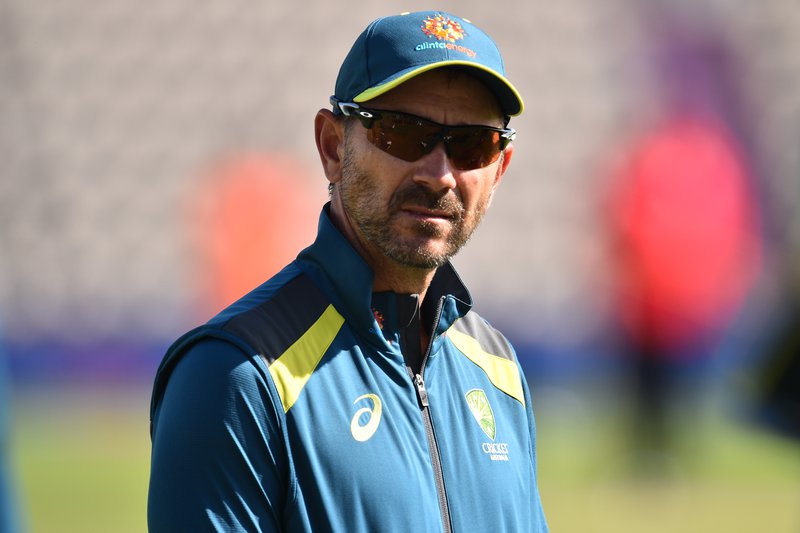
(111,112)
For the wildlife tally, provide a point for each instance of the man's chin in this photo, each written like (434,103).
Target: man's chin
(424,255)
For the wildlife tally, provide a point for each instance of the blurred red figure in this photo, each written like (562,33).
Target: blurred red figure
(683,221)
(250,218)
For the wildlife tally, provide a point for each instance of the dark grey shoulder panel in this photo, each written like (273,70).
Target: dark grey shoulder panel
(272,327)
(491,340)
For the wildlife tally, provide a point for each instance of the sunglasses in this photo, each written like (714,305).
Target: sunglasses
(409,137)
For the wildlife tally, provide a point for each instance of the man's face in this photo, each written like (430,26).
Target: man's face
(419,214)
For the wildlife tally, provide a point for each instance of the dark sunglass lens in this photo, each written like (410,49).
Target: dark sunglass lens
(403,136)
(471,148)
(409,138)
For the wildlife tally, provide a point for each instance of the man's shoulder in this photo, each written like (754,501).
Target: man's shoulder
(262,324)
(490,350)
(273,317)
(490,339)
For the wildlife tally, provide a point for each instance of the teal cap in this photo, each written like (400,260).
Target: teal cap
(394,49)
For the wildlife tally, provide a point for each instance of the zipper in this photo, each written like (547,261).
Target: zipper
(422,396)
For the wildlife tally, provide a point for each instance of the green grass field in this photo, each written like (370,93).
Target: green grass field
(721,477)
(81,460)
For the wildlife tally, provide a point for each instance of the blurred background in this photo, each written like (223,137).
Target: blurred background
(642,252)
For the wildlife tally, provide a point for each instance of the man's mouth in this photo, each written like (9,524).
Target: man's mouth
(425,212)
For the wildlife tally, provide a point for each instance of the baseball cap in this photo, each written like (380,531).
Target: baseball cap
(394,49)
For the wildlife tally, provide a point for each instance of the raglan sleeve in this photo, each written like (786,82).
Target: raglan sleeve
(219,460)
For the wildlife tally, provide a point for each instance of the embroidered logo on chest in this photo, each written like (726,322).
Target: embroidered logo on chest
(481,410)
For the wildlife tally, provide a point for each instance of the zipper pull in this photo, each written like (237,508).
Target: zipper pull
(421,392)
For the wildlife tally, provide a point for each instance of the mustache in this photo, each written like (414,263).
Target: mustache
(420,196)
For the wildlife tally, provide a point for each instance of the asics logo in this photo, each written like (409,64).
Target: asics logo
(371,417)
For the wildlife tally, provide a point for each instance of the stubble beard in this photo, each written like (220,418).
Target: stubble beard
(361,200)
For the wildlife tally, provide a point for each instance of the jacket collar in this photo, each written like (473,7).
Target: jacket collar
(346,278)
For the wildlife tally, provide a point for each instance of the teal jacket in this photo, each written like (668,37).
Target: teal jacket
(296,410)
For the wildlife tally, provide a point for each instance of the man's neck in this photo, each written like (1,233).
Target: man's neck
(389,276)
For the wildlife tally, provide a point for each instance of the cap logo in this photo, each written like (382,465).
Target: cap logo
(446,31)
(443,28)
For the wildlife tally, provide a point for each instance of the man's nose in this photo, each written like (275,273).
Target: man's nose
(435,170)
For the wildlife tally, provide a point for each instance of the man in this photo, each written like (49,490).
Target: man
(356,390)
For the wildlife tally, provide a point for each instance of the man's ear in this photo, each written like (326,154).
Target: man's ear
(329,134)
(504,162)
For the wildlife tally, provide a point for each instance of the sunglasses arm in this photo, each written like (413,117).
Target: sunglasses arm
(508,135)
(351,109)
(343,108)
